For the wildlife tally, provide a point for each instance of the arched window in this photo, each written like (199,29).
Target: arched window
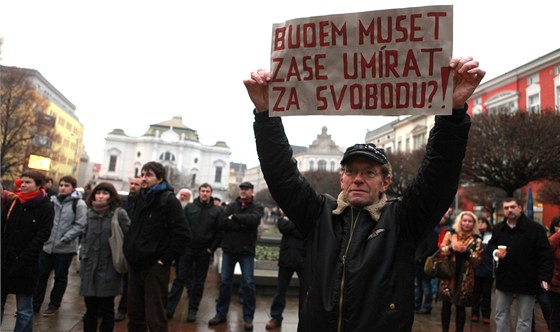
(322,165)
(311,165)
(167,156)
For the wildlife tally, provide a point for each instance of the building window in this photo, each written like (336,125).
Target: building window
(407,144)
(333,166)
(112,163)
(138,154)
(311,165)
(533,79)
(167,156)
(136,172)
(534,103)
(218,174)
(418,141)
(322,165)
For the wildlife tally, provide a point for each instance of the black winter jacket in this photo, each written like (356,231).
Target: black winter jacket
(529,258)
(204,220)
(371,286)
(240,232)
(158,230)
(24,233)
(292,245)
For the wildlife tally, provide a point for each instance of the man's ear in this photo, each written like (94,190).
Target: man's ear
(386,183)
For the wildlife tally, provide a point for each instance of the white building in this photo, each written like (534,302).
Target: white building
(404,135)
(189,163)
(322,154)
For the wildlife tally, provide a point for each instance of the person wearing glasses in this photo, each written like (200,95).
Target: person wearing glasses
(359,263)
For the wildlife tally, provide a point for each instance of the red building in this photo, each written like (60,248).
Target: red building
(532,87)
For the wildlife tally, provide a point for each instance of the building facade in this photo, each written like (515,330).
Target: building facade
(532,87)
(62,143)
(189,163)
(322,154)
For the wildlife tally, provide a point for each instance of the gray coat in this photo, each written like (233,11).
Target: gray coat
(67,226)
(99,277)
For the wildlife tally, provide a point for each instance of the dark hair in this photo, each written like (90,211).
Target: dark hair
(554,222)
(485,220)
(157,168)
(114,200)
(48,179)
(513,199)
(69,179)
(37,176)
(205,185)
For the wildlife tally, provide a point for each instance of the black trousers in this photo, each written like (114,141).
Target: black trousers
(99,306)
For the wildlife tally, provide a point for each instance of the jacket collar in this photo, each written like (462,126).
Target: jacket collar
(374,209)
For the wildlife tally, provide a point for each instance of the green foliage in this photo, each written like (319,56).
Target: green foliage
(267,253)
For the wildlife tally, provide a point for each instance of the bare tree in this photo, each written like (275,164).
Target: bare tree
(20,106)
(405,166)
(508,151)
(549,193)
(324,182)
(264,197)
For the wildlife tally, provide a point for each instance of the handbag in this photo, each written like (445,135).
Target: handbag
(116,243)
(438,266)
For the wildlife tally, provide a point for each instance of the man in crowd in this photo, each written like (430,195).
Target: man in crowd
(204,218)
(134,186)
(158,233)
(240,227)
(59,250)
(359,263)
(524,265)
(292,252)
(184,196)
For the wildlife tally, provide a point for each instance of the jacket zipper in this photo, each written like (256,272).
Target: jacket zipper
(353,224)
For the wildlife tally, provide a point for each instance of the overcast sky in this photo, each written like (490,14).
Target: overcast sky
(128,64)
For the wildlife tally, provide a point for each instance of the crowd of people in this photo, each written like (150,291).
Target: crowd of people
(358,256)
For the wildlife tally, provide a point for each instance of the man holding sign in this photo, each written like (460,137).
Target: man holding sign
(360,247)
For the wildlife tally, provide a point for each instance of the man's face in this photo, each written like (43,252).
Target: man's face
(65,188)
(135,185)
(185,196)
(362,182)
(149,179)
(204,194)
(245,193)
(48,184)
(512,210)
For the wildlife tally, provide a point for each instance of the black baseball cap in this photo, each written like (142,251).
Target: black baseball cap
(368,150)
(246,184)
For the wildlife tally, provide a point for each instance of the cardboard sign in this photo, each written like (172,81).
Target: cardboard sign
(387,62)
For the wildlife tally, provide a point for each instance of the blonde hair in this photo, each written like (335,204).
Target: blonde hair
(457,223)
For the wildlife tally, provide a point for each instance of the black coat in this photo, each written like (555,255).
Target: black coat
(204,220)
(425,250)
(24,233)
(376,278)
(158,230)
(292,245)
(240,226)
(529,258)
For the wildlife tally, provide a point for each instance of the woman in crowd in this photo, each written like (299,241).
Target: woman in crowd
(463,245)
(27,220)
(100,281)
(554,290)
(483,277)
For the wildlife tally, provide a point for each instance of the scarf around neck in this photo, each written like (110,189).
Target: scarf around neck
(100,207)
(32,198)
(373,209)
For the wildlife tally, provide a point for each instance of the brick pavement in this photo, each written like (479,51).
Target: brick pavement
(68,319)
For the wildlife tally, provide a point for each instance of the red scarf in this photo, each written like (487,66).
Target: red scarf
(24,197)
